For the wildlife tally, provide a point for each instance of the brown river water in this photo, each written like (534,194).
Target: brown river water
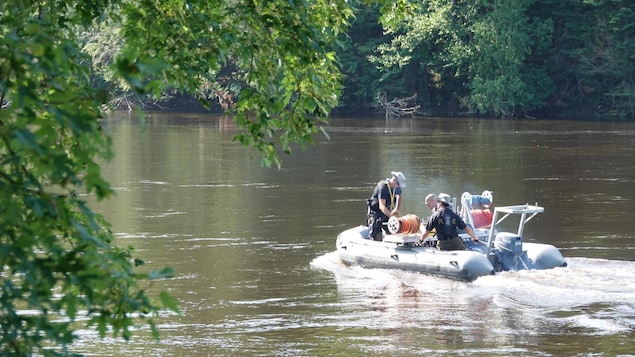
(254,248)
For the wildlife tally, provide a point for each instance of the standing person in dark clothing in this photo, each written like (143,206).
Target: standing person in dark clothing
(384,203)
(447,223)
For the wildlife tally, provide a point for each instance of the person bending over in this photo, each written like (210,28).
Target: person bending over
(384,203)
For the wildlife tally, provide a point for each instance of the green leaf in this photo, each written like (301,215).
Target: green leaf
(169,302)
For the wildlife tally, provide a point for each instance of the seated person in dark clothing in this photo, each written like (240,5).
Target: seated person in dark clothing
(447,223)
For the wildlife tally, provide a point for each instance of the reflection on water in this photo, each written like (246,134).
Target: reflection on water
(253,248)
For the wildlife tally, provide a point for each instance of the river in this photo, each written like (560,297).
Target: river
(256,273)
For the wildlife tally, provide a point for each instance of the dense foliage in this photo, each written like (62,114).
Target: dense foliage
(510,57)
(272,63)
(61,63)
(494,58)
(58,263)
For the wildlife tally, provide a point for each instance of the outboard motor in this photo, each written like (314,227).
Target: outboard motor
(508,249)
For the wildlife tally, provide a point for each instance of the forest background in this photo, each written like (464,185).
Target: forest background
(524,58)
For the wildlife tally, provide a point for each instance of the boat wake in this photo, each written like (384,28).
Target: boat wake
(596,296)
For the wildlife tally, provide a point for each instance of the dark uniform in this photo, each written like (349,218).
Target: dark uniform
(376,217)
(447,224)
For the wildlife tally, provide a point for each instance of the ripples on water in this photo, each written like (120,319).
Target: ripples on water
(407,313)
(248,245)
(590,297)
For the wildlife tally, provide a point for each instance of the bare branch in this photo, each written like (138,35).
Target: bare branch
(398,107)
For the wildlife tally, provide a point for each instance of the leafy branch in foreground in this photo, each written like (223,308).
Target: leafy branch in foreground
(59,264)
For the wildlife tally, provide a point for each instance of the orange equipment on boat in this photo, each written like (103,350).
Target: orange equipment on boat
(408,224)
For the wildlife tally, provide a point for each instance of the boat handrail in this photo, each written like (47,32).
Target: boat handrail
(526,208)
(526,211)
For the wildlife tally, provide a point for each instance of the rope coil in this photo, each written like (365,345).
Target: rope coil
(408,224)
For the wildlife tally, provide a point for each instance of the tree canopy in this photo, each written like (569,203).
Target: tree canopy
(59,259)
(506,58)
(482,58)
(272,62)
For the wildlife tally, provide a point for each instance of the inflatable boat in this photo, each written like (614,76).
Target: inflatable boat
(497,250)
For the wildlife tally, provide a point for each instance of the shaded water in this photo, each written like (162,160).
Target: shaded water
(253,248)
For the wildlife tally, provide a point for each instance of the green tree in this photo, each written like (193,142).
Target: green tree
(622,92)
(591,60)
(57,256)
(502,79)
(476,53)
(362,80)
(276,56)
